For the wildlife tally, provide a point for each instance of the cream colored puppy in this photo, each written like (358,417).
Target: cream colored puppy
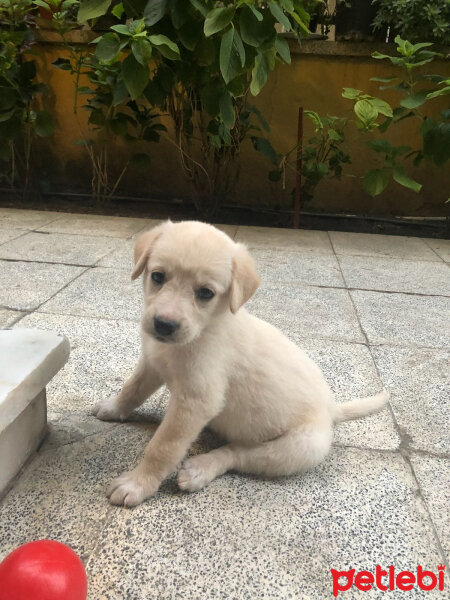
(224,368)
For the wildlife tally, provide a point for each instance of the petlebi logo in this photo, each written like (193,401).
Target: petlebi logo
(388,580)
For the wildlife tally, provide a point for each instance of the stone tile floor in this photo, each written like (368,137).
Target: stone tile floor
(372,310)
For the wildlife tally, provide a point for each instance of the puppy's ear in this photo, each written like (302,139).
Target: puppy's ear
(143,247)
(245,280)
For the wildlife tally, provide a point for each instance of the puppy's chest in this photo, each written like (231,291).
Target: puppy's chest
(177,371)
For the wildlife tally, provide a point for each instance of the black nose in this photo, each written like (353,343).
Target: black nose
(165,327)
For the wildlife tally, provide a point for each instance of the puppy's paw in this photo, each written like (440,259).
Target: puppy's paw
(131,488)
(108,409)
(196,473)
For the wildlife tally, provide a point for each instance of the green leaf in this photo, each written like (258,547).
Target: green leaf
(275,175)
(200,7)
(414,100)
(334,135)
(210,97)
(217,19)
(380,56)
(227,110)
(8,98)
(91,9)
(120,93)
(11,128)
(400,176)
(190,34)
(383,79)
(122,29)
(365,112)
(108,47)
(254,32)
(135,76)
(117,11)
(167,48)
(260,73)
(441,92)
(302,18)
(380,145)
(279,15)
(141,161)
(351,93)
(154,11)
(315,118)
(264,124)
(5,116)
(44,123)
(179,13)
(232,55)
(288,5)
(256,12)
(382,107)
(375,181)
(265,147)
(119,126)
(282,48)
(142,50)
(436,141)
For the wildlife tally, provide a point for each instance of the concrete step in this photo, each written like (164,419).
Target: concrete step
(29,358)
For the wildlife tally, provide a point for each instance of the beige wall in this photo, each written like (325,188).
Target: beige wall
(314,80)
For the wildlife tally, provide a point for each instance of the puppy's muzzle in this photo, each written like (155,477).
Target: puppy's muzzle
(164,328)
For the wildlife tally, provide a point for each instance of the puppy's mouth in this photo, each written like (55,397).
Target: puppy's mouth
(168,339)
(177,340)
(164,340)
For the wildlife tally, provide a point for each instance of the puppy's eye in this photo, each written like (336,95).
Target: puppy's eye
(158,277)
(205,293)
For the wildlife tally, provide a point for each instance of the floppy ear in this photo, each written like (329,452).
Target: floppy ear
(143,247)
(245,279)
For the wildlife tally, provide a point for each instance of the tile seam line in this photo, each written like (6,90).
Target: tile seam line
(369,347)
(433,250)
(14,238)
(346,287)
(308,252)
(397,450)
(294,282)
(385,257)
(325,338)
(109,512)
(407,459)
(88,234)
(51,448)
(403,448)
(50,262)
(57,292)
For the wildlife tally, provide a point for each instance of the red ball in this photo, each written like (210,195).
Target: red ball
(43,570)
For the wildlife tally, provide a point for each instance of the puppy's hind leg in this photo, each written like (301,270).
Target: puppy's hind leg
(142,383)
(295,451)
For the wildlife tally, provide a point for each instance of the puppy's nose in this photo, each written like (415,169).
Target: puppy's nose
(165,327)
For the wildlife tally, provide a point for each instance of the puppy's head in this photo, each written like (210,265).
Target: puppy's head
(193,273)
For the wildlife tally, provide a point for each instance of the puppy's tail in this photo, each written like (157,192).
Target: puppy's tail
(360,407)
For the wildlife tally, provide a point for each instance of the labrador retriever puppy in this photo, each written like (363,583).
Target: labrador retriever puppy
(224,368)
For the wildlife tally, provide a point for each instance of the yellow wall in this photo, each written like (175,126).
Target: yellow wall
(314,80)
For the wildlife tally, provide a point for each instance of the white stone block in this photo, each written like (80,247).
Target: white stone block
(29,358)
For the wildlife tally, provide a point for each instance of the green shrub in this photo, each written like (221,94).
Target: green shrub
(415,20)
(22,118)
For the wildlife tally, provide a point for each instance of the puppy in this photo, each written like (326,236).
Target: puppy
(224,368)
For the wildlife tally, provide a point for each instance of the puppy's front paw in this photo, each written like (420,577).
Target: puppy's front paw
(131,488)
(108,409)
